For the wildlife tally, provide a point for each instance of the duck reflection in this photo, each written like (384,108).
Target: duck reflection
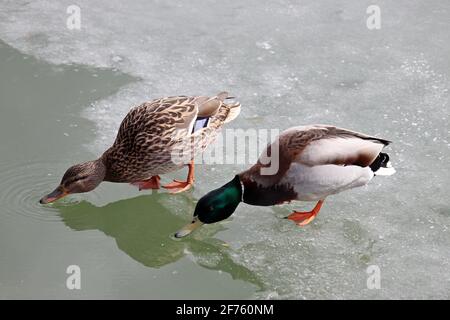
(143,228)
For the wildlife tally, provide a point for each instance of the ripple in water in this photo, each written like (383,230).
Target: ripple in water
(23,184)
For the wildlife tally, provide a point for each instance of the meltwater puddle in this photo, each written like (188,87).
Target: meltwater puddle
(41,135)
(41,132)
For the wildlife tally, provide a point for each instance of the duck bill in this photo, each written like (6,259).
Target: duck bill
(56,194)
(187,229)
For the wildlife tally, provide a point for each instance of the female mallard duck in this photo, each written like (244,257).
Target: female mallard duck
(154,138)
(311,163)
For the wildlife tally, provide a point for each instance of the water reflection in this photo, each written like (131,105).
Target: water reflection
(143,229)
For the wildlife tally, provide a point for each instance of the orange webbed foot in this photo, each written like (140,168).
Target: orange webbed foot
(304,218)
(152,183)
(178,186)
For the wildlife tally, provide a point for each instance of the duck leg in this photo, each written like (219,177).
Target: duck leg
(179,186)
(152,183)
(303,218)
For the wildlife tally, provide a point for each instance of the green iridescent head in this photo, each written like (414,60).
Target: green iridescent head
(215,206)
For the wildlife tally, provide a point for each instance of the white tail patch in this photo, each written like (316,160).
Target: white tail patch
(385,171)
(235,109)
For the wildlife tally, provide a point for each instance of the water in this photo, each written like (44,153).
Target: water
(125,249)
(64,92)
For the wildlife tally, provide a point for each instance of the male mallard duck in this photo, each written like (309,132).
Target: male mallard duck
(154,138)
(311,163)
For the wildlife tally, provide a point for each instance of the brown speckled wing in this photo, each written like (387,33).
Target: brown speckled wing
(146,135)
(153,132)
(154,117)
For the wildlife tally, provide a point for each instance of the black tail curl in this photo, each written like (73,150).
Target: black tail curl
(380,161)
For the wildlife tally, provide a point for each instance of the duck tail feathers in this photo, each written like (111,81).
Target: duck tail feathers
(381,166)
(233,111)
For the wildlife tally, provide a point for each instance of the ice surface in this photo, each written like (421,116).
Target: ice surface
(291,63)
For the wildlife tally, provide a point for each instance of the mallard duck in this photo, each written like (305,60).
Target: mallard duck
(154,138)
(308,163)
